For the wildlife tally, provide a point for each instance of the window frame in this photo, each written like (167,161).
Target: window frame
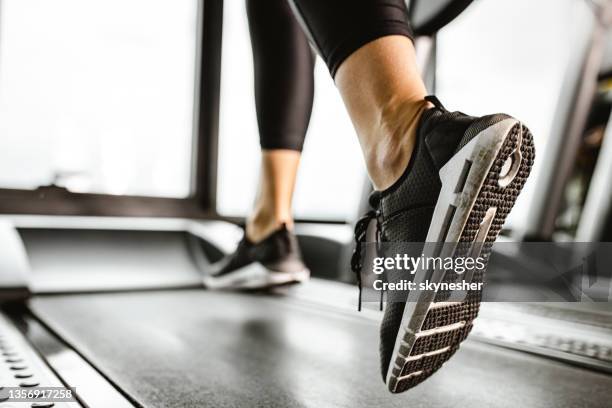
(53,200)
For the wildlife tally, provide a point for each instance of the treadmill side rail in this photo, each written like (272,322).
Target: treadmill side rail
(23,370)
(91,387)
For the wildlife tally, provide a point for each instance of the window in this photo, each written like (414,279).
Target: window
(98,96)
(517,67)
(332,173)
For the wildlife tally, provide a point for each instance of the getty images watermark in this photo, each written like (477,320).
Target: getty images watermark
(503,272)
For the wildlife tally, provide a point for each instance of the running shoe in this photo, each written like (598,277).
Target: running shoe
(462,181)
(274,261)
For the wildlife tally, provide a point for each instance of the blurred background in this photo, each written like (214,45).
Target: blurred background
(129,154)
(101,97)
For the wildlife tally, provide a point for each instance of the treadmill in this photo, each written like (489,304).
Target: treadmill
(133,327)
(111,306)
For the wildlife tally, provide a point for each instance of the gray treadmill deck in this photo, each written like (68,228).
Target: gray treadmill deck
(205,349)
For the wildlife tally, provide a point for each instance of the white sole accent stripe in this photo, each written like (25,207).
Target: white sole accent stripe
(430,354)
(440,305)
(442,329)
(415,374)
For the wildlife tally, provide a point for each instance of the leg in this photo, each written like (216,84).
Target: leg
(273,202)
(284,89)
(268,254)
(368,49)
(385,97)
(443,177)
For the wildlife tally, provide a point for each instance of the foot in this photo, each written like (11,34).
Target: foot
(275,260)
(462,181)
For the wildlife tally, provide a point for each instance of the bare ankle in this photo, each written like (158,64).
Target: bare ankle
(393,142)
(261,224)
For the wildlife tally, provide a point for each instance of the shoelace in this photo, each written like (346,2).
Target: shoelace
(361,232)
(361,228)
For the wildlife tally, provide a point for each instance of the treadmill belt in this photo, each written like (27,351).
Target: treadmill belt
(209,349)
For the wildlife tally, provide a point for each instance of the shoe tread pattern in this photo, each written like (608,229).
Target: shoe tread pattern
(413,366)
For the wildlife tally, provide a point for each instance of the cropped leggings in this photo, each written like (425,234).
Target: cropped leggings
(282,33)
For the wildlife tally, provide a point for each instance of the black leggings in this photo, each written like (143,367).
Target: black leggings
(284,62)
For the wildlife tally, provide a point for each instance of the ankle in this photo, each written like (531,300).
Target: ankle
(393,141)
(263,223)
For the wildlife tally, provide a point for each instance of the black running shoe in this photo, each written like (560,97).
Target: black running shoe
(274,261)
(462,181)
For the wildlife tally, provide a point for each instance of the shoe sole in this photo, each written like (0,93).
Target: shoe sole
(255,276)
(480,185)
